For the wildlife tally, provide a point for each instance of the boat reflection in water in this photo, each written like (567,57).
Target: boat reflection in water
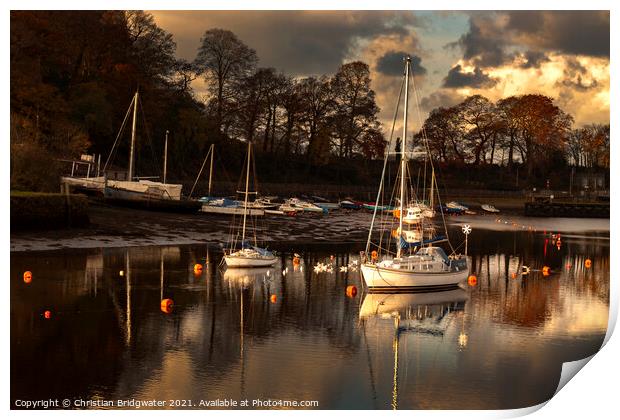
(247,277)
(419,313)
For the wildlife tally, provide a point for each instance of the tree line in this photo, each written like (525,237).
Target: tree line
(528,129)
(73,74)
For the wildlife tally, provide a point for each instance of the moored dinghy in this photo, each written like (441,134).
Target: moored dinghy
(429,267)
(489,208)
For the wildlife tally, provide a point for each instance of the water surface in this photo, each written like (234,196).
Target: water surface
(499,343)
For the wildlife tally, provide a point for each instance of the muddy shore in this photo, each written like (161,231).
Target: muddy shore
(120,227)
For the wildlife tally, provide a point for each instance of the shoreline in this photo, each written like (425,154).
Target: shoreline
(121,227)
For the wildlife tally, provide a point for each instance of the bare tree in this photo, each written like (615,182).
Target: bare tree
(223,60)
(356,109)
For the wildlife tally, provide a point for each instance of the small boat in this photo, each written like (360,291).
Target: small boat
(414,215)
(248,255)
(427,211)
(489,208)
(300,205)
(448,210)
(327,206)
(373,207)
(456,206)
(350,205)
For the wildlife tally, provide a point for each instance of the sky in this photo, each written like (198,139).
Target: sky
(562,54)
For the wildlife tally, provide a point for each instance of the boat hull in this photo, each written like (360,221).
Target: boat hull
(137,200)
(230,210)
(389,279)
(244,262)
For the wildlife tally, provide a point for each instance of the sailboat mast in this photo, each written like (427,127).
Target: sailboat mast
(133,136)
(245,202)
(211,169)
(165,156)
(403,160)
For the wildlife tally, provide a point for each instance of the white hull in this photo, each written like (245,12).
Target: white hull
(490,209)
(242,262)
(230,210)
(383,278)
(92,183)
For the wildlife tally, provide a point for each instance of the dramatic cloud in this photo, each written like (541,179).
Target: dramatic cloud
(493,36)
(391,64)
(483,44)
(569,32)
(533,59)
(442,98)
(457,78)
(297,42)
(562,54)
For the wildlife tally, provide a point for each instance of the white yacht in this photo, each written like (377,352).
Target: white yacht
(414,266)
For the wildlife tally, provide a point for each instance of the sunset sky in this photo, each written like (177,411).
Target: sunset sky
(561,54)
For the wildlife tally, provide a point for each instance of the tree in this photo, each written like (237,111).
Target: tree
(355,107)
(589,146)
(445,131)
(542,129)
(152,48)
(223,60)
(482,124)
(318,105)
(506,109)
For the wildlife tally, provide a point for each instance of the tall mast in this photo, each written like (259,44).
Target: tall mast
(403,160)
(245,202)
(133,136)
(165,156)
(211,168)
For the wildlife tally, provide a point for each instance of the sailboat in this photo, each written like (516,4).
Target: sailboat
(248,255)
(414,266)
(144,193)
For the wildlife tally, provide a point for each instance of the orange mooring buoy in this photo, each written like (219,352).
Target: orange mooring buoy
(273,299)
(472,280)
(166,305)
(588,263)
(47,314)
(197,267)
(351,291)
(27,277)
(545,271)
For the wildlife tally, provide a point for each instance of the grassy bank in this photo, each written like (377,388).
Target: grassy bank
(34,210)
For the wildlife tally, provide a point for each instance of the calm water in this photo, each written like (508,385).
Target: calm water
(497,344)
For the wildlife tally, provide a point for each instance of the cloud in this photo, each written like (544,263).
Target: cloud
(533,59)
(576,76)
(296,42)
(457,78)
(442,98)
(577,32)
(495,38)
(391,64)
(483,44)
